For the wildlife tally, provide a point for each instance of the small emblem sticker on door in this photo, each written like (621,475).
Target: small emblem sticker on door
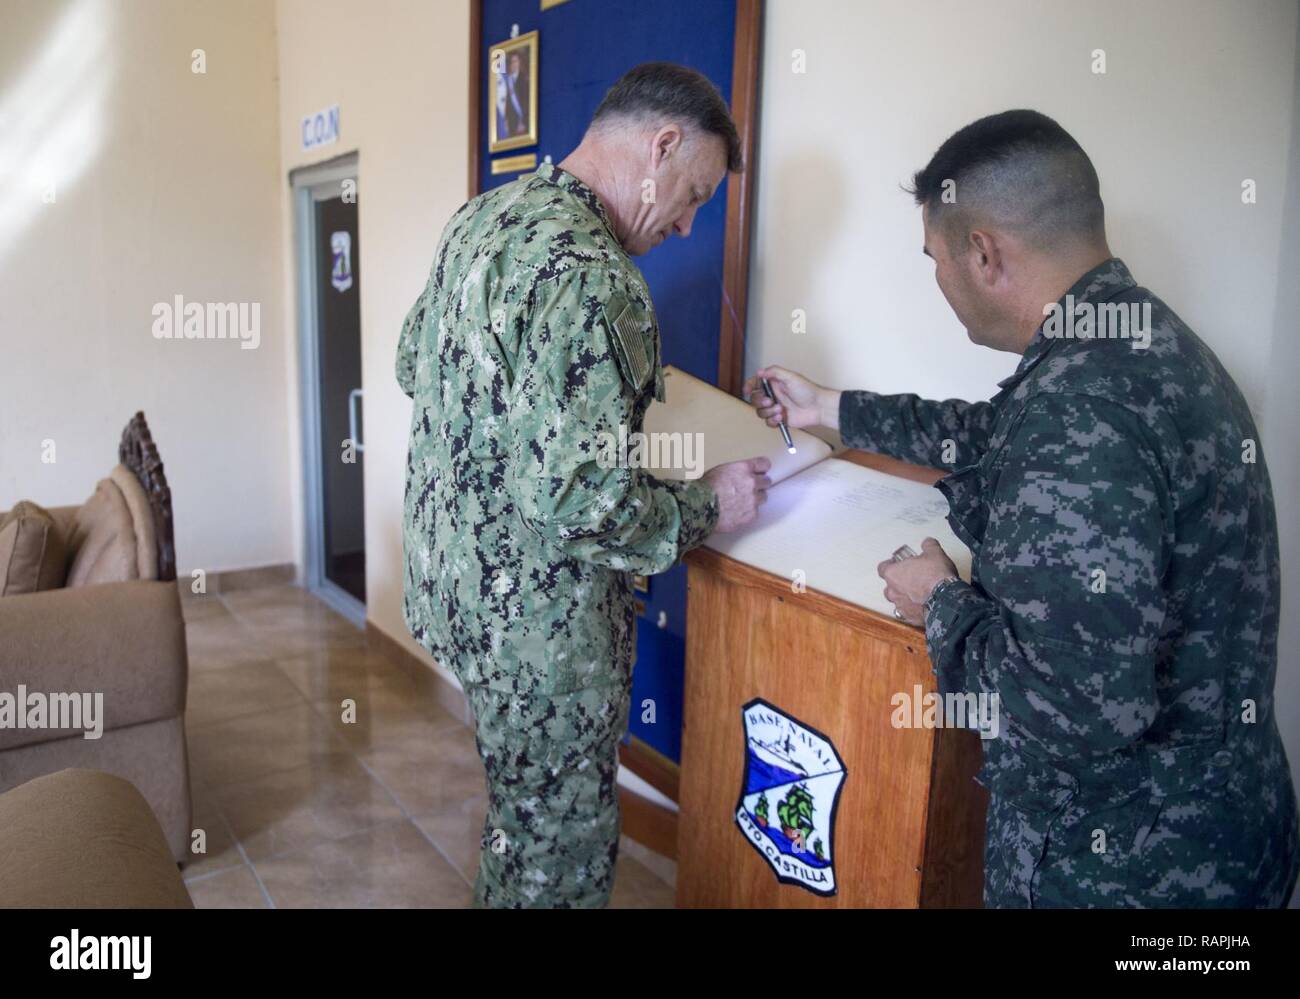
(341,273)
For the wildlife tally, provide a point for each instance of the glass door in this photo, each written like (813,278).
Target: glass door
(333,404)
(339,396)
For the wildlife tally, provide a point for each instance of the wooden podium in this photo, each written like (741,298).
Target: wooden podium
(908,825)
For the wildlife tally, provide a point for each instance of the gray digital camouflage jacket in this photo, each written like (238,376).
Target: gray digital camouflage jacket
(1123,609)
(534,337)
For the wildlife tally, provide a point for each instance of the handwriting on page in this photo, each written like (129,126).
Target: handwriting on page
(870,496)
(831,524)
(923,513)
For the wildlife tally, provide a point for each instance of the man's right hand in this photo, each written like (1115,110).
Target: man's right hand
(741,486)
(799,402)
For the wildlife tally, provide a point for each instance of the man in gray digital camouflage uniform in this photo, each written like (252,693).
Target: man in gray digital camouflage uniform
(1124,600)
(534,338)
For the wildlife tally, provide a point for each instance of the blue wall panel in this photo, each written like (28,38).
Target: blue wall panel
(584,46)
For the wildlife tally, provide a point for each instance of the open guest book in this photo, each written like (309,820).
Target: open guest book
(827,522)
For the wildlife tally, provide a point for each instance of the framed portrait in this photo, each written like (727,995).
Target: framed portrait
(512,93)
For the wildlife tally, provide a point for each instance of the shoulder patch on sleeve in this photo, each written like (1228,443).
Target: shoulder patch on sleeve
(627,329)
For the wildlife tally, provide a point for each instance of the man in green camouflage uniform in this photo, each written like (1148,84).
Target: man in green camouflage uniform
(1124,599)
(535,338)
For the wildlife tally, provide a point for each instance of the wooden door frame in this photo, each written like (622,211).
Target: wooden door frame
(740,196)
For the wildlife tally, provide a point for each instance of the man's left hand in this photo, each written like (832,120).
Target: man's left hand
(908,583)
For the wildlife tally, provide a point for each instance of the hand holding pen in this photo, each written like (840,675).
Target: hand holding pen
(785,430)
(782,396)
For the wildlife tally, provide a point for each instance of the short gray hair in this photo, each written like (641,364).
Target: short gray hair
(669,90)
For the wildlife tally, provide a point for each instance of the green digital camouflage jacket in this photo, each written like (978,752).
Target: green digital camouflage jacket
(534,338)
(1123,609)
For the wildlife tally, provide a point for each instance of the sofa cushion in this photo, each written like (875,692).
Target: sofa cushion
(33,555)
(103,539)
(146,543)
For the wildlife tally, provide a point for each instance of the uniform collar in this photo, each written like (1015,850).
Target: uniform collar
(552,174)
(1102,283)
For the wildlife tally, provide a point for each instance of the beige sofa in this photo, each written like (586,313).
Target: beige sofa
(112,627)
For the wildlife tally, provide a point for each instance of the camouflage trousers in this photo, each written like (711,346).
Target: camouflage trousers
(551,835)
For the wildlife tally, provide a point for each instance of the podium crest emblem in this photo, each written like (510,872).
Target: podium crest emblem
(789,796)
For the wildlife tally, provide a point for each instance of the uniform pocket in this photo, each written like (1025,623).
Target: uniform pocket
(1188,786)
(1028,799)
(568,733)
(1146,818)
(967,514)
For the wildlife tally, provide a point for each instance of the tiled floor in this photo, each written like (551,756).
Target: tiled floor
(301,808)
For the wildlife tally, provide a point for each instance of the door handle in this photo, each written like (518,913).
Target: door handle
(353,396)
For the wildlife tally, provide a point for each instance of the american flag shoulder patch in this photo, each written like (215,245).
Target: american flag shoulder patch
(628,337)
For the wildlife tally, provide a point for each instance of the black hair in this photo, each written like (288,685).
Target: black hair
(1018,168)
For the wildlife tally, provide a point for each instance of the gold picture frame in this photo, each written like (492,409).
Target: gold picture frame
(520,163)
(510,124)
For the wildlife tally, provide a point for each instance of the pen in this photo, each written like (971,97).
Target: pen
(785,431)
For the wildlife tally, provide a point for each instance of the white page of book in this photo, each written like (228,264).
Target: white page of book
(835,522)
(728,430)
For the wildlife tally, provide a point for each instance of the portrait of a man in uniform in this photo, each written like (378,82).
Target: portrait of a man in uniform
(513,104)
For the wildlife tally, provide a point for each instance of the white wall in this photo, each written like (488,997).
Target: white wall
(163,186)
(1197,96)
(399,73)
